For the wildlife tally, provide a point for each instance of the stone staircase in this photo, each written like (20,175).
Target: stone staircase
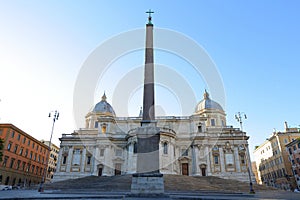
(99,183)
(173,183)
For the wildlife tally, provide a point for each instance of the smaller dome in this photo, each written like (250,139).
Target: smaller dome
(207,103)
(104,108)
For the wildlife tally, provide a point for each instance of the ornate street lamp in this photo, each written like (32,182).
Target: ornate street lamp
(55,117)
(239,118)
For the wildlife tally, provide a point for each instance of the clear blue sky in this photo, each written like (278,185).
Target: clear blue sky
(254,44)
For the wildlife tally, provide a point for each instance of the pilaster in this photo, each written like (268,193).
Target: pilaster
(237,159)
(222,159)
(69,162)
(83,157)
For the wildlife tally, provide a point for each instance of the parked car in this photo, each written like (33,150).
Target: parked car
(5,187)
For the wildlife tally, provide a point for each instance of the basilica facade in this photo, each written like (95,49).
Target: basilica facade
(201,144)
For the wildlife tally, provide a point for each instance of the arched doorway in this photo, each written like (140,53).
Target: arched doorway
(203,169)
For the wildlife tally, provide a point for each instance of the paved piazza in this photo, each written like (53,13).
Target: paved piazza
(33,194)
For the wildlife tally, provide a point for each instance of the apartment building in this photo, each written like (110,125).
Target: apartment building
(24,157)
(272,160)
(294,156)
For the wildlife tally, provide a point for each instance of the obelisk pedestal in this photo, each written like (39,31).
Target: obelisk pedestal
(148,181)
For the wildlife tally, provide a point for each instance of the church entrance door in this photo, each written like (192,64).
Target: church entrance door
(117,169)
(185,169)
(203,170)
(100,171)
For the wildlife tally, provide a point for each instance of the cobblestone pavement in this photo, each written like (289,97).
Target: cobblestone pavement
(33,194)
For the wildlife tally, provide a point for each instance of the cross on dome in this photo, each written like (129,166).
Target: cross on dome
(104,97)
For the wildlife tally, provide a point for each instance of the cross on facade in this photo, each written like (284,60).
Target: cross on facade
(149,17)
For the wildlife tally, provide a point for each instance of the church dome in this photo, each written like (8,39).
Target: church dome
(207,103)
(104,107)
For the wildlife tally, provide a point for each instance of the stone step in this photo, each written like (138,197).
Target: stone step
(171,182)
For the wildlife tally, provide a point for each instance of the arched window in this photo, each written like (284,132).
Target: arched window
(165,146)
(134,147)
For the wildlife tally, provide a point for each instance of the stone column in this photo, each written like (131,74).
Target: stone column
(69,161)
(83,156)
(222,159)
(237,159)
(207,153)
(59,159)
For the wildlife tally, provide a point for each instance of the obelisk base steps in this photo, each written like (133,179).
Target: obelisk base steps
(147,185)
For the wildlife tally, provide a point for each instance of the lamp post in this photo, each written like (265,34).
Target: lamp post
(55,117)
(239,118)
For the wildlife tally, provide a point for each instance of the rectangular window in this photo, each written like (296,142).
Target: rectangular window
(96,124)
(212,122)
(5,161)
(242,158)
(24,140)
(199,129)
(118,152)
(184,152)
(26,153)
(12,134)
(9,146)
(101,152)
(16,148)
(33,145)
(30,156)
(28,142)
(28,167)
(216,160)
(23,165)
(165,148)
(21,152)
(88,162)
(18,164)
(223,123)
(19,137)
(12,163)
(64,160)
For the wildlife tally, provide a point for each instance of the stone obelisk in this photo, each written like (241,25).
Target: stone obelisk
(148,180)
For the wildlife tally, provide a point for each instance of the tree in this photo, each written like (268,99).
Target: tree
(1,148)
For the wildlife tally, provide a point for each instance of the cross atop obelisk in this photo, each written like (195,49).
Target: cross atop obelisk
(149,17)
(148,102)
